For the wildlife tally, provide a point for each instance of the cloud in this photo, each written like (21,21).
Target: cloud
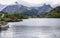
(31,2)
(7,2)
(39,2)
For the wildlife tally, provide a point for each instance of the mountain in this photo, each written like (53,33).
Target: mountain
(55,12)
(31,11)
(44,8)
(2,7)
(17,8)
(11,8)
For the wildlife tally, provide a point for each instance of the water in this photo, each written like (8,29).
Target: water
(33,28)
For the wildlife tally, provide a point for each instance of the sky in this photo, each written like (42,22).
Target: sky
(31,2)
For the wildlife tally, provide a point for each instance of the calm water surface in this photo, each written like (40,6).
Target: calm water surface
(33,28)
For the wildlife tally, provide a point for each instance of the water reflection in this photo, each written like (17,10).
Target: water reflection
(33,28)
(31,32)
(36,32)
(7,33)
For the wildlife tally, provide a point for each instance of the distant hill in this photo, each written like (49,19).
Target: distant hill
(54,13)
(28,11)
(11,8)
(34,10)
(2,7)
(18,8)
(45,8)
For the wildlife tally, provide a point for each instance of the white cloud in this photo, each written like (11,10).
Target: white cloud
(32,2)
(35,1)
(7,2)
(40,2)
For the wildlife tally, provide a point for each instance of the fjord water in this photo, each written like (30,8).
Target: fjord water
(33,28)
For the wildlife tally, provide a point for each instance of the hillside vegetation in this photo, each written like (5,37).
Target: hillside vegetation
(54,13)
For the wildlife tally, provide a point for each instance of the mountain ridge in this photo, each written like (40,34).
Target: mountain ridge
(21,8)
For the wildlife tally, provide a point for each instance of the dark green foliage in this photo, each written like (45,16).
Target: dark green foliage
(54,13)
(18,16)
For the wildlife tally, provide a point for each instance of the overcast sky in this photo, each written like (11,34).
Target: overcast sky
(31,2)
